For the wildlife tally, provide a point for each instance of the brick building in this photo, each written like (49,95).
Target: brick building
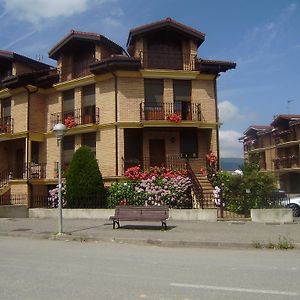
(154,104)
(276,147)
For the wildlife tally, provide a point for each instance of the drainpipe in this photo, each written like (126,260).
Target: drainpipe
(217,119)
(29,93)
(116,119)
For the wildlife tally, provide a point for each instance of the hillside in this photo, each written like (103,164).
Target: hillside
(231,163)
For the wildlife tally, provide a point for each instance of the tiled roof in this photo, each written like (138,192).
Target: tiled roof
(287,117)
(196,34)
(13,56)
(89,36)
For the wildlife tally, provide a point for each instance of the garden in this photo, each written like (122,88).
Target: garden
(155,186)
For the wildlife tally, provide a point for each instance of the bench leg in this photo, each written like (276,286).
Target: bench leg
(116,222)
(164,224)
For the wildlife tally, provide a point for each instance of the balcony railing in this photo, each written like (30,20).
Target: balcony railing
(286,163)
(184,111)
(168,60)
(34,171)
(169,161)
(283,136)
(72,118)
(6,125)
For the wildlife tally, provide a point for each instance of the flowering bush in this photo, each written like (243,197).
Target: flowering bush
(70,122)
(53,197)
(175,117)
(136,173)
(166,187)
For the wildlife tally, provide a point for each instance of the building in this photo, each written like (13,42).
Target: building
(276,147)
(154,104)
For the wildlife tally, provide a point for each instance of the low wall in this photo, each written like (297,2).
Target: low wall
(175,214)
(13,211)
(274,215)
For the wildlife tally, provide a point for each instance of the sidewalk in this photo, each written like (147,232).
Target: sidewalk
(221,234)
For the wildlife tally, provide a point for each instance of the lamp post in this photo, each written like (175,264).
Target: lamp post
(59,130)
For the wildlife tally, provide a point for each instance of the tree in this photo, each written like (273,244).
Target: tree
(84,183)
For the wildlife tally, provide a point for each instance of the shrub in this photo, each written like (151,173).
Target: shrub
(242,192)
(174,192)
(84,183)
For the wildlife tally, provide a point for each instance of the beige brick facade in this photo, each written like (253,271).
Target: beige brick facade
(119,95)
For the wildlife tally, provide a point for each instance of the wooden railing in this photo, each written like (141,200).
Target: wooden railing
(183,111)
(72,118)
(168,60)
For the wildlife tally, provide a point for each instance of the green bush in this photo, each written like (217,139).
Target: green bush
(240,193)
(84,183)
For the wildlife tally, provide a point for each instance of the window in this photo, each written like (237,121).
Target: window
(154,90)
(189,144)
(68,146)
(6,108)
(68,101)
(89,139)
(88,103)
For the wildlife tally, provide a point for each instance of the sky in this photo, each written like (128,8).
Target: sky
(261,36)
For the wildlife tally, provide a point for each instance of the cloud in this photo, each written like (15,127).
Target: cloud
(229,144)
(35,11)
(228,111)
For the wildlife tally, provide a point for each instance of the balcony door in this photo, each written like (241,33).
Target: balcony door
(154,108)
(182,98)
(157,152)
(88,102)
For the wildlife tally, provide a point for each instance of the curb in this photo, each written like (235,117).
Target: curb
(133,241)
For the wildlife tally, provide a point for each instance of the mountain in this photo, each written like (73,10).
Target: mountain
(231,163)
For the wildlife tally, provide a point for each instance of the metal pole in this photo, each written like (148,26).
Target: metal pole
(60,224)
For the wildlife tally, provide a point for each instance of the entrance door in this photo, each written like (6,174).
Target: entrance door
(157,152)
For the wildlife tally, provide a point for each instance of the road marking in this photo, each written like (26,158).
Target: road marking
(232,289)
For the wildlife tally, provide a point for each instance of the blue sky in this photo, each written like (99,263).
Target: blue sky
(261,36)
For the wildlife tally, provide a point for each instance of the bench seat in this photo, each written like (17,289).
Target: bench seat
(140,213)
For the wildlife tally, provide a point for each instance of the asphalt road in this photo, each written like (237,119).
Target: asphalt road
(42,269)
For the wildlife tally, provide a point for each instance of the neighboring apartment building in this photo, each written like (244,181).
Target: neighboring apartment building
(156,105)
(276,147)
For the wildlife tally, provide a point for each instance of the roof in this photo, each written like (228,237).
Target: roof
(83,37)
(115,62)
(167,23)
(257,128)
(12,56)
(214,66)
(284,118)
(41,78)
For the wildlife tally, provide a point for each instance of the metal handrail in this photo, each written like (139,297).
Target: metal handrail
(196,186)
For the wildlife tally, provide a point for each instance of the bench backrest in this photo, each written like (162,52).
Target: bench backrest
(142,212)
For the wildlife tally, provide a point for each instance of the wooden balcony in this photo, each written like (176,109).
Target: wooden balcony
(75,70)
(173,112)
(6,125)
(284,136)
(73,118)
(286,163)
(168,60)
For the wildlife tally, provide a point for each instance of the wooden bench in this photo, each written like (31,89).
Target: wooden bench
(140,213)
